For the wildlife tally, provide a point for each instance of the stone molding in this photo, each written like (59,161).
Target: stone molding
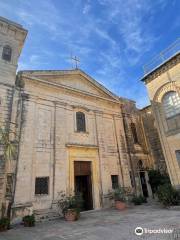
(167,87)
(173,61)
(40,81)
(77,145)
(12,29)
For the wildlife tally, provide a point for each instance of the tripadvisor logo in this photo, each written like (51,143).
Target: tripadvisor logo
(139,231)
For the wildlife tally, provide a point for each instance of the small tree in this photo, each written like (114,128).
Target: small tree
(156,179)
(9,152)
(9,146)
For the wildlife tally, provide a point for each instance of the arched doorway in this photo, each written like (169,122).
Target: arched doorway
(143,179)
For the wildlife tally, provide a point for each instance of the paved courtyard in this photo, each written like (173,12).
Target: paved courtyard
(104,224)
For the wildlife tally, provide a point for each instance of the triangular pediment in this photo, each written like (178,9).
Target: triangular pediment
(75,80)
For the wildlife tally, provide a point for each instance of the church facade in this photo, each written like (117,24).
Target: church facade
(71,134)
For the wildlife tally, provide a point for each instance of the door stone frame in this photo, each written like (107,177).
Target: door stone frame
(90,155)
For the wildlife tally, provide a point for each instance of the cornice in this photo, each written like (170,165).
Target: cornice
(57,85)
(63,73)
(78,145)
(164,67)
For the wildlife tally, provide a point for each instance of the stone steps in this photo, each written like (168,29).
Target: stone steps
(42,215)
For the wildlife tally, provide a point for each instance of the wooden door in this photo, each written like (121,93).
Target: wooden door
(83,184)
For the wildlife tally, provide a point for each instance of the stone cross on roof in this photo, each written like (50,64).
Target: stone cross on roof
(76,61)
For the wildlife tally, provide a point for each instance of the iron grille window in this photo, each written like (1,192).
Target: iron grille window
(42,185)
(115,182)
(7,52)
(80,121)
(134,133)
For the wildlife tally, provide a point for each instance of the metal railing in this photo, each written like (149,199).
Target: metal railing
(162,57)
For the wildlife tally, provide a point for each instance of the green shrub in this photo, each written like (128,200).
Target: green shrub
(67,202)
(4,224)
(119,194)
(156,179)
(138,200)
(143,199)
(168,196)
(29,220)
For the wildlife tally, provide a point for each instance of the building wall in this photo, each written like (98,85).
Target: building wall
(153,140)
(13,35)
(163,80)
(50,143)
(139,151)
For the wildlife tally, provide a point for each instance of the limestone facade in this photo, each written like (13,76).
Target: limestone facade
(50,142)
(143,145)
(163,85)
(12,37)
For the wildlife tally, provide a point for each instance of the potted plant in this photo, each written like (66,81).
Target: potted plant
(119,198)
(70,206)
(168,196)
(138,200)
(4,224)
(29,221)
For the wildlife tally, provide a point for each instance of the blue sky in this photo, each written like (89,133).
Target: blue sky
(112,38)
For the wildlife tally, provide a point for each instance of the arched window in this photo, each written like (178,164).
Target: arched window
(171,104)
(7,52)
(80,122)
(134,133)
(171,107)
(140,165)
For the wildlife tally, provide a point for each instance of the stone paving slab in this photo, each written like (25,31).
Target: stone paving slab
(108,224)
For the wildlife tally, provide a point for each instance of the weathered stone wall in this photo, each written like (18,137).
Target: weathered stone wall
(50,143)
(161,81)
(13,35)
(139,151)
(153,140)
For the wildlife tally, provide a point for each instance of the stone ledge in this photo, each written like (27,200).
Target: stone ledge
(81,145)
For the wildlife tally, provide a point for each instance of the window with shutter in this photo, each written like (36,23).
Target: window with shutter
(115,182)
(7,52)
(42,185)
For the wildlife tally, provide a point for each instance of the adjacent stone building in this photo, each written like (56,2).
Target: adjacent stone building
(162,79)
(143,145)
(12,37)
(72,134)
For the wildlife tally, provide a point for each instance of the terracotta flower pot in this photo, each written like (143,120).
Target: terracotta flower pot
(3,228)
(71,215)
(120,205)
(28,224)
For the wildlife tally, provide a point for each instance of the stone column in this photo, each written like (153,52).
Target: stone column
(61,165)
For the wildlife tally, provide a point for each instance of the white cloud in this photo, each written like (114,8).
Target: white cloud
(110,40)
(87,7)
(130,16)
